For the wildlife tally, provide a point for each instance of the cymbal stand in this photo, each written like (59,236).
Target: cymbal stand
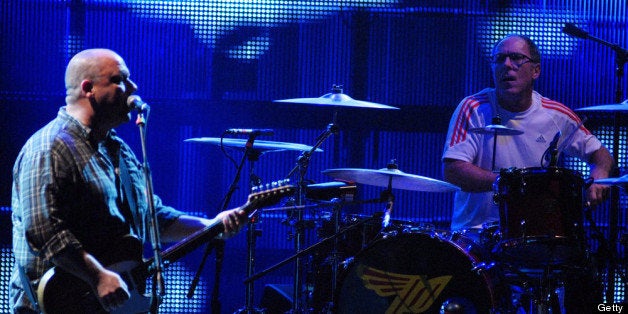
(496,120)
(299,236)
(390,198)
(337,205)
(621,57)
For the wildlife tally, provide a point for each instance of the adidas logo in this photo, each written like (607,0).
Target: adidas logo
(540,139)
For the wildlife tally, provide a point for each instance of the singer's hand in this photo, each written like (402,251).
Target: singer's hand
(233,221)
(111,289)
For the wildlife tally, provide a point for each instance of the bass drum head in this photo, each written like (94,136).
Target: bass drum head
(413,273)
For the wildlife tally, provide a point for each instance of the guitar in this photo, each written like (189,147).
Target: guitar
(61,292)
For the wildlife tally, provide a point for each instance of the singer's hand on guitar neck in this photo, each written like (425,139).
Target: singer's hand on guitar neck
(233,221)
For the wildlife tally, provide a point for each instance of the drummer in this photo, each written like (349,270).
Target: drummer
(468,157)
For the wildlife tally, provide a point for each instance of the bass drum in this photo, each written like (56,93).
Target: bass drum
(420,273)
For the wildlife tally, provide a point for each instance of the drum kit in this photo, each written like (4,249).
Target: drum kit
(372,264)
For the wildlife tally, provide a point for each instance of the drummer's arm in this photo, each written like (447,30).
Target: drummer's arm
(469,177)
(601,163)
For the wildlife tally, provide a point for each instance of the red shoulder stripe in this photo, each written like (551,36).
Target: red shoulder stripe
(462,121)
(554,105)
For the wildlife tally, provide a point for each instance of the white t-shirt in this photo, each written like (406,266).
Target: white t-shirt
(540,124)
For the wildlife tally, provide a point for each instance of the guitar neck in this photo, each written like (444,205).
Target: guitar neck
(189,244)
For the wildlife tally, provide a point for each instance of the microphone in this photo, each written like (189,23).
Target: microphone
(136,103)
(573,30)
(254,132)
(553,150)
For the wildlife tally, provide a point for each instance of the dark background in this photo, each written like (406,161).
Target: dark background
(206,66)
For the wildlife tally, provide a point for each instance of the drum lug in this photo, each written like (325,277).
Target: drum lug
(482,266)
(347,262)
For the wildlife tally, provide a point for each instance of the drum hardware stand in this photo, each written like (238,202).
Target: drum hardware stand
(539,296)
(604,244)
(388,195)
(299,236)
(252,155)
(496,120)
(251,236)
(306,251)
(335,255)
(621,57)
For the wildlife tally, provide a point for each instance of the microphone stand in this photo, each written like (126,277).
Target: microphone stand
(302,165)
(621,57)
(219,245)
(158,285)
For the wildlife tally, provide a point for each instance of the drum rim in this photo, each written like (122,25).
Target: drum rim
(543,170)
(489,279)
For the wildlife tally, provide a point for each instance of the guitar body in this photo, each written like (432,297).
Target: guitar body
(60,292)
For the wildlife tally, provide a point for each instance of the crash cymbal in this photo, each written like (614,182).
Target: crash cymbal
(264,146)
(336,98)
(497,129)
(622,107)
(623,180)
(382,177)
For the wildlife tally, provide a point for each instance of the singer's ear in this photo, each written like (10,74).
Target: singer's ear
(87,86)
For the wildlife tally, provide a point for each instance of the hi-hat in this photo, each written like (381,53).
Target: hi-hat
(395,177)
(623,180)
(497,129)
(265,146)
(622,107)
(336,98)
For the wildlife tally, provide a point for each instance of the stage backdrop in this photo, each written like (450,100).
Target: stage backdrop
(205,66)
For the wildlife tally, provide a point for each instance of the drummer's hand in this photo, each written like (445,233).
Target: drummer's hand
(596,194)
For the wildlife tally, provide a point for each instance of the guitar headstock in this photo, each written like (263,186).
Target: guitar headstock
(269,194)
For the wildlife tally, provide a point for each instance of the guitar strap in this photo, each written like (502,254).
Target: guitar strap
(28,288)
(131,205)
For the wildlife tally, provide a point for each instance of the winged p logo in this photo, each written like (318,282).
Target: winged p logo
(414,293)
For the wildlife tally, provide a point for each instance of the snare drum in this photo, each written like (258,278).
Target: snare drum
(541,215)
(419,272)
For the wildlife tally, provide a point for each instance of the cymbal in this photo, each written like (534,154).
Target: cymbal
(336,99)
(622,107)
(400,179)
(613,181)
(497,129)
(265,146)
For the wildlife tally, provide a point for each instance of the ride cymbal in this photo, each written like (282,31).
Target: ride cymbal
(396,178)
(622,107)
(336,98)
(265,146)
